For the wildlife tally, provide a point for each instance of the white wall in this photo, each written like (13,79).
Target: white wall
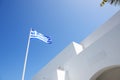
(104,52)
(101,52)
(49,72)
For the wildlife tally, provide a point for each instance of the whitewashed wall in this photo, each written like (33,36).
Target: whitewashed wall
(49,72)
(101,52)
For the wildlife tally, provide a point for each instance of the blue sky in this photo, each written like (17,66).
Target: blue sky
(63,20)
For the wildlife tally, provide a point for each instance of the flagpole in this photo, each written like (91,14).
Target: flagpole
(25,62)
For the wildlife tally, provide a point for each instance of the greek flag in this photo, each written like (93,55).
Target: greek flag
(35,34)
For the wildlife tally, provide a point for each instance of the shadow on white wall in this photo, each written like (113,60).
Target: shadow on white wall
(107,73)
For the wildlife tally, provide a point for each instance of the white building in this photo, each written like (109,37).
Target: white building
(99,59)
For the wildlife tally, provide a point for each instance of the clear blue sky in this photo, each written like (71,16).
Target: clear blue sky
(64,20)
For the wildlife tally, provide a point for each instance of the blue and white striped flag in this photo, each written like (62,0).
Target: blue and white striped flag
(35,34)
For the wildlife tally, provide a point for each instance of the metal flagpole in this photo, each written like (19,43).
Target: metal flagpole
(24,68)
